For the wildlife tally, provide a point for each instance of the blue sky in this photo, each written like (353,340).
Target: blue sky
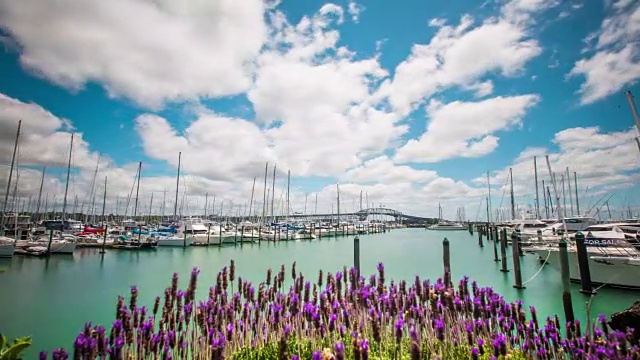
(335,92)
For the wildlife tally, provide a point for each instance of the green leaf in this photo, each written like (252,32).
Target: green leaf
(3,343)
(19,345)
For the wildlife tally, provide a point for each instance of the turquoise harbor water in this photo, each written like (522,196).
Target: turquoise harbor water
(51,299)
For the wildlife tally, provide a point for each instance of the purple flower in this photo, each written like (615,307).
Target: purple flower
(317,355)
(339,349)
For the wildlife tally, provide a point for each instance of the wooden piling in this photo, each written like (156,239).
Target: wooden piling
(566,286)
(209,236)
(50,240)
(583,263)
(446,261)
(479,238)
(519,243)
(356,254)
(235,235)
(495,251)
(515,251)
(104,240)
(503,250)
(184,240)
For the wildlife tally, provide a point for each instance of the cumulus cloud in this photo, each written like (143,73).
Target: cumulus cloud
(613,61)
(465,129)
(205,47)
(603,162)
(496,45)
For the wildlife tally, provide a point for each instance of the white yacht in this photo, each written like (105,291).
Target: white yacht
(613,261)
(446,225)
(573,224)
(7,247)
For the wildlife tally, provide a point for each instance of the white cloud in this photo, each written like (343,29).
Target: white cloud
(496,45)
(149,51)
(316,98)
(465,128)
(481,89)
(615,62)
(603,162)
(354,10)
(382,170)
(213,146)
(44,138)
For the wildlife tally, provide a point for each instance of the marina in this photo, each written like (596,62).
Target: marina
(68,290)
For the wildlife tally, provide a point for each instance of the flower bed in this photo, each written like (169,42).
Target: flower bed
(339,316)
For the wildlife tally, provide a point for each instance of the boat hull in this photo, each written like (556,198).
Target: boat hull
(621,272)
(174,242)
(6,250)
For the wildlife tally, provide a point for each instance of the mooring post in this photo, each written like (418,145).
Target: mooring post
(104,239)
(209,236)
(515,251)
(241,235)
(356,254)
(519,243)
(539,233)
(184,240)
(139,234)
(480,243)
(495,250)
(503,250)
(583,263)
(446,260)
(50,240)
(235,235)
(220,234)
(566,286)
(489,232)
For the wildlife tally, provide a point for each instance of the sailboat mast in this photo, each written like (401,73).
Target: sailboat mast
(535,175)
(564,195)
(253,190)
(575,188)
(338,206)
(175,205)
(489,198)
(513,206)
(360,200)
(66,188)
(570,192)
(273,192)
(150,208)
(104,202)
(315,212)
(13,162)
(634,113)
(544,200)
(305,203)
(264,191)
(38,203)
(288,198)
(206,203)
(135,204)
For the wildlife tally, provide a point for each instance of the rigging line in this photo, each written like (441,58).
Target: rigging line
(504,190)
(540,269)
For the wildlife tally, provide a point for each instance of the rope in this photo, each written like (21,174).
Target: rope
(539,270)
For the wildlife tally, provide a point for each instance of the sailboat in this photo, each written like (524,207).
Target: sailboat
(8,245)
(444,224)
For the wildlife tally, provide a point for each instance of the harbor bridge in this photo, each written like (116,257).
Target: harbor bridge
(362,215)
